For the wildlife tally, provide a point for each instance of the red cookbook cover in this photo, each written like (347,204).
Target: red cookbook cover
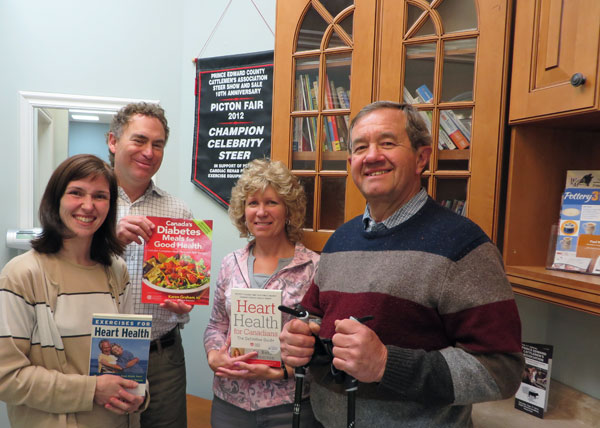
(176,262)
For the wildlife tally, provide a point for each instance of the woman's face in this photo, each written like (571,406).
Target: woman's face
(265,215)
(117,350)
(84,206)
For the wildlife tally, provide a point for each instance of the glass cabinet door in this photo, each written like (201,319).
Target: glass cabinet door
(439,49)
(324,48)
(321,108)
(448,58)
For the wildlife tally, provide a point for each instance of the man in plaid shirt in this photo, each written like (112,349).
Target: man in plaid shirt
(136,141)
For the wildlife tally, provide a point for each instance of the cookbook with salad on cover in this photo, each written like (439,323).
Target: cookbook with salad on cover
(176,264)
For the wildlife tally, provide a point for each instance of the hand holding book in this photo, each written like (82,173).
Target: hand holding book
(243,370)
(134,228)
(112,395)
(228,364)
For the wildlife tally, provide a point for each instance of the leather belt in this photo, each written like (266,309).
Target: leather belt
(165,341)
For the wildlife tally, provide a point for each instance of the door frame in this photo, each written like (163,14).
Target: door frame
(28,101)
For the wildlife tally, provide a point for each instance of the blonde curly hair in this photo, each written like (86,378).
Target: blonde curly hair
(259,174)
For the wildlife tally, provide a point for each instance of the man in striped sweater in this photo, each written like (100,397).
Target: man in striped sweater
(446,331)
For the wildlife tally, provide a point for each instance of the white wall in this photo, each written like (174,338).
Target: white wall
(127,49)
(241,30)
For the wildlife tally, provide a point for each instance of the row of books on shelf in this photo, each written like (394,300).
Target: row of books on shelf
(307,94)
(335,127)
(456,205)
(335,134)
(453,133)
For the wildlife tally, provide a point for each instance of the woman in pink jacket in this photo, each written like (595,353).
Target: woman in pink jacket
(268,206)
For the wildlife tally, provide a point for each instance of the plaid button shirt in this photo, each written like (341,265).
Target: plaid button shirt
(154,202)
(402,214)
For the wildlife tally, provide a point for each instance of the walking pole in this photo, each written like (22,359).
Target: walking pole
(299,372)
(351,386)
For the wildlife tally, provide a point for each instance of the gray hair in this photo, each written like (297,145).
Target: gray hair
(416,129)
(104,341)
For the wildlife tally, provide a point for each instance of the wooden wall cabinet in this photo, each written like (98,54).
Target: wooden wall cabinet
(539,159)
(386,50)
(556,45)
(556,128)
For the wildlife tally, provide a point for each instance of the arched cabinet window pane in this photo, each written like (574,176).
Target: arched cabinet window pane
(458,15)
(334,7)
(323,79)
(311,31)
(439,64)
(346,24)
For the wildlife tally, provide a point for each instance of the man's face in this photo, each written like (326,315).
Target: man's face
(105,347)
(383,164)
(139,150)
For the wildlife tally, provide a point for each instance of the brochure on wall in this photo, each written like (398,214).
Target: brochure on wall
(578,238)
(177,261)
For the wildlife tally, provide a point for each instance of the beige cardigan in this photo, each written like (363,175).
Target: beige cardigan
(37,382)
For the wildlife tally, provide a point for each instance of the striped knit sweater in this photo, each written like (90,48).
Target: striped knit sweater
(442,306)
(46,306)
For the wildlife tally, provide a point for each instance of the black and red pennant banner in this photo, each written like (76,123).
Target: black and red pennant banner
(232,123)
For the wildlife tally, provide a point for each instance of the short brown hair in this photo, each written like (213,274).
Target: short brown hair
(416,129)
(259,174)
(121,120)
(104,243)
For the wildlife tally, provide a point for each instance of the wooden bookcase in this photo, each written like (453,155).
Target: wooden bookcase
(556,127)
(377,48)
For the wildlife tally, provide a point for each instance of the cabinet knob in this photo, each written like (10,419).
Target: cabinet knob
(577,79)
